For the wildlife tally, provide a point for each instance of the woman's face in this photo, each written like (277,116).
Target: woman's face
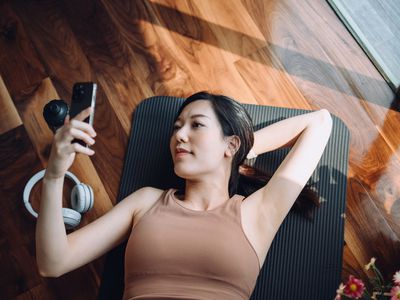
(197,130)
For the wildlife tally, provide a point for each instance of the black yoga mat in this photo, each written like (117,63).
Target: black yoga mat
(305,258)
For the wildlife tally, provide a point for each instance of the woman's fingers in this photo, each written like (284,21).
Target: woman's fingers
(81,135)
(67,148)
(66,120)
(79,148)
(84,114)
(84,127)
(76,129)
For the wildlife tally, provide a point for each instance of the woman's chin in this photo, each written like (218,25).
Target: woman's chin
(184,174)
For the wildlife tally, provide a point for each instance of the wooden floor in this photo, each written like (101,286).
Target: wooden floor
(287,53)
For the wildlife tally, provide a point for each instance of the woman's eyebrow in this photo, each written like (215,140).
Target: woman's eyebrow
(194,116)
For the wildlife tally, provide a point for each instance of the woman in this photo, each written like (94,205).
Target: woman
(208,242)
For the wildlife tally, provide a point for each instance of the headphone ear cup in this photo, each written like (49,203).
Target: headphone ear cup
(82,198)
(71,218)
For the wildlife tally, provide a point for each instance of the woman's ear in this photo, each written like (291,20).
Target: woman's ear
(233,145)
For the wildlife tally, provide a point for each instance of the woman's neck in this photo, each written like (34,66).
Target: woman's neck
(204,196)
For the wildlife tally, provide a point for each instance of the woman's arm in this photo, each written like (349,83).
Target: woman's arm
(272,203)
(58,253)
(51,238)
(312,131)
(282,134)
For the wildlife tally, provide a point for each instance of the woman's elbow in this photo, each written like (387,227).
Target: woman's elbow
(325,119)
(325,114)
(48,273)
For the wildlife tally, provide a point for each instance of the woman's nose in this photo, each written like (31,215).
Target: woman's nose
(181,134)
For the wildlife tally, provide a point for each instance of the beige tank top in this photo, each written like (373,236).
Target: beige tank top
(178,253)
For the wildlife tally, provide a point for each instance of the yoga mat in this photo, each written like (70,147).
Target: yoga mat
(305,258)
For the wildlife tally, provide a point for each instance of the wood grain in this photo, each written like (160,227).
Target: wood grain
(269,82)
(82,167)
(331,71)
(327,60)
(110,57)
(17,234)
(287,53)
(18,58)
(69,65)
(10,118)
(179,71)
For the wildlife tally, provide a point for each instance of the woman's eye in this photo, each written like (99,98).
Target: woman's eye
(195,125)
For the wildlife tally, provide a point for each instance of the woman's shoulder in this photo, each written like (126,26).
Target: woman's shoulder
(154,192)
(148,196)
(148,191)
(151,189)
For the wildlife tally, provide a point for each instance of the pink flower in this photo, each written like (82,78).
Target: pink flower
(395,293)
(396,278)
(354,287)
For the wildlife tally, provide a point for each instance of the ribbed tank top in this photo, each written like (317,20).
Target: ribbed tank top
(178,253)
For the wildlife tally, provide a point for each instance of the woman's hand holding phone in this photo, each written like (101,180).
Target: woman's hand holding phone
(63,151)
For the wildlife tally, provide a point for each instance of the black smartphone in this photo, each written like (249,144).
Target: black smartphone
(83,96)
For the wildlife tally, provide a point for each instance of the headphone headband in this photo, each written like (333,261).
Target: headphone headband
(31,183)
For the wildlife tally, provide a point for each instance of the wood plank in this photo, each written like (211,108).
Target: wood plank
(10,118)
(281,53)
(179,67)
(269,82)
(20,67)
(331,71)
(163,72)
(50,30)
(379,170)
(117,69)
(283,96)
(367,233)
(42,139)
(18,264)
(318,52)
(236,33)
(17,252)
(352,267)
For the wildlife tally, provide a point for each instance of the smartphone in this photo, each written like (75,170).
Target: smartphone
(83,96)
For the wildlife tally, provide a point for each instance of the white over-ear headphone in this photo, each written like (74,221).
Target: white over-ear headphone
(82,199)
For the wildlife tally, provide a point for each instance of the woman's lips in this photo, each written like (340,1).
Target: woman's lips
(181,153)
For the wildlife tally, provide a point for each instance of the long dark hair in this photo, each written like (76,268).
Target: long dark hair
(245,179)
